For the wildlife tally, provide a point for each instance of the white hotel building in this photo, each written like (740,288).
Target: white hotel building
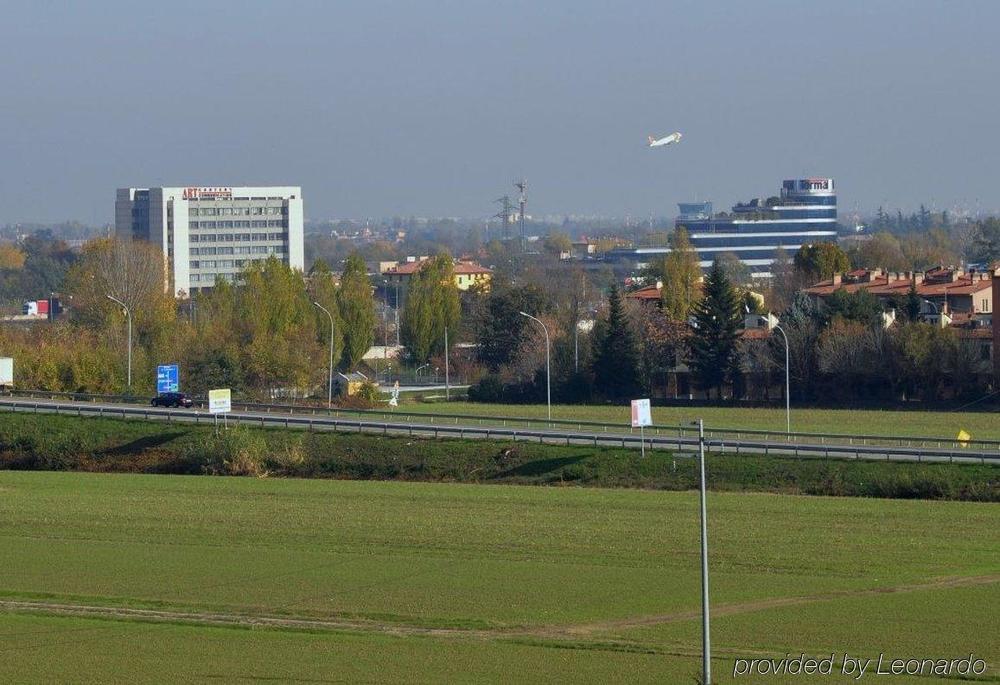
(213,232)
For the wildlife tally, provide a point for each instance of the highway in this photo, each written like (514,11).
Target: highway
(292,419)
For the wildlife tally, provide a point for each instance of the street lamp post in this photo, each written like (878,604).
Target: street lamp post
(576,347)
(128,316)
(788,384)
(329,389)
(396,308)
(548,376)
(772,324)
(705,633)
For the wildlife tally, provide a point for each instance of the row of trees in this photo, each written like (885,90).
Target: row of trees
(629,350)
(262,338)
(838,352)
(31,269)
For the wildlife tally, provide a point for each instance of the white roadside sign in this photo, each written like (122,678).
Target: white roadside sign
(642,415)
(220,401)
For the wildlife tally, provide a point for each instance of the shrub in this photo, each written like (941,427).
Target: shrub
(289,456)
(368,392)
(233,452)
(488,389)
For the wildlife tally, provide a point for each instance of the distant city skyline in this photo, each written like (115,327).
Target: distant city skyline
(381,109)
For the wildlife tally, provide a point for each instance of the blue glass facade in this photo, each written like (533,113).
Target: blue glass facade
(804,213)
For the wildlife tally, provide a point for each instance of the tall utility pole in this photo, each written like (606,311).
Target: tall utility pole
(522,200)
(706,656)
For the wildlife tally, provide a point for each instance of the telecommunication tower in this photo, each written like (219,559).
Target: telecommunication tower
(522,200)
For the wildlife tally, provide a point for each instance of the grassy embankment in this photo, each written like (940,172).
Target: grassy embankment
(62,443)
(983,425)
(420,582)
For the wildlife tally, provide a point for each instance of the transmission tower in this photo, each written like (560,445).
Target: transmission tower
(505,214)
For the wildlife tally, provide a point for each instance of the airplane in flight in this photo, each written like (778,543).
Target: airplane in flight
(666,140)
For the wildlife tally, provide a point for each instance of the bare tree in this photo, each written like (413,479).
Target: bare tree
(131,271)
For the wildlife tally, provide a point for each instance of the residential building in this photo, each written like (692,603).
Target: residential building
(209,233)
(804,213)
(468,274)
(942,291)
(647,295)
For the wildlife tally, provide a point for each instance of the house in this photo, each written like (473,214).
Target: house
(649,295)
(468,274)
(942,291)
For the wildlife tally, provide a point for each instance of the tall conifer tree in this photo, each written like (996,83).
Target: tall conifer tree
(713,343)
(616,362)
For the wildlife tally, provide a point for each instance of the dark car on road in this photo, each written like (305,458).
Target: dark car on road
(171,399)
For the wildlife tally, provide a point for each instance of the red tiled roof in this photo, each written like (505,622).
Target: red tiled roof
(936,282)
(650,292)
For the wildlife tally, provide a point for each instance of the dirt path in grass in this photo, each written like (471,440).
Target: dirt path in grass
(585,629)
(226,619)
(578,631)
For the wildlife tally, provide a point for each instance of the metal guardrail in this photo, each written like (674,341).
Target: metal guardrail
(676,443)
(726,434)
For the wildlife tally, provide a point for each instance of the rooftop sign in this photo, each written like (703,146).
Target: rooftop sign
(207,194)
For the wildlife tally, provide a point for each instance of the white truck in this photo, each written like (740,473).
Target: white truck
(6,372)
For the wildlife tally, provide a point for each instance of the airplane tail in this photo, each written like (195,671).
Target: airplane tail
(651,140)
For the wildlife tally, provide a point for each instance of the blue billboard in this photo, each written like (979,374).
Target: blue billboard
(167,378)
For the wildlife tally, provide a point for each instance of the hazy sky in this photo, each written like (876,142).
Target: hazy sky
(433,108)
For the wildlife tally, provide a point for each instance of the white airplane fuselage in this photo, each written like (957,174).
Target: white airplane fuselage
(666,140)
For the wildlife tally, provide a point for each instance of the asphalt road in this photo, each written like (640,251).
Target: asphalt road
(293,420)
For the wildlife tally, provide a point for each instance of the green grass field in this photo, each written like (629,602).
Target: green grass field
(435,583)
(981,425)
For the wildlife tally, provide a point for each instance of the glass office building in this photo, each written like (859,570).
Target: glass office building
(804,213)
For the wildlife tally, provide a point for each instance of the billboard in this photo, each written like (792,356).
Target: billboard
(220,401)
(641,414)
(167,378)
